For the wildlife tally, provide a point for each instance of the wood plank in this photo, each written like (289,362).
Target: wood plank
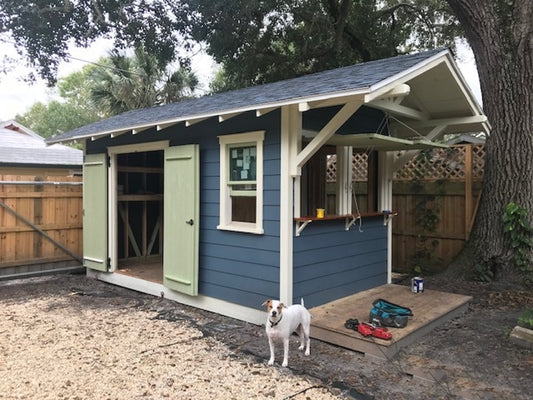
(47,227)
(42,195)
(430,309)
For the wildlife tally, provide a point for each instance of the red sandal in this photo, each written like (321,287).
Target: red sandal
(367,329)
(382,333)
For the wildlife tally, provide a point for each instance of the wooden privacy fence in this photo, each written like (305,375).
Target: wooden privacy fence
(40,222)
(436,196)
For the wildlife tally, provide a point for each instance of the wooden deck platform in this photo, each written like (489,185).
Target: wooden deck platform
(430,308)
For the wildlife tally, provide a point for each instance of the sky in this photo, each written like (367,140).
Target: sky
(17,96)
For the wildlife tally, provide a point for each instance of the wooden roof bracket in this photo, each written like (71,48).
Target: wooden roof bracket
(324,135)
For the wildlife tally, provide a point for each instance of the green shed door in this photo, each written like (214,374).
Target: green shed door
(181,218)
(95,211)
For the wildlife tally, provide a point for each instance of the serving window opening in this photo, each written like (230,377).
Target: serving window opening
(321,184)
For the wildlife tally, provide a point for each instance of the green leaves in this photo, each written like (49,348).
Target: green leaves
(43,30)
(140,81)
(270,40)
(517,225)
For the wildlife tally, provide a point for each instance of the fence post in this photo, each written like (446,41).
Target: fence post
(468,189)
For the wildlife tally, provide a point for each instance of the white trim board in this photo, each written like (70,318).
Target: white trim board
(211,304)
(112,215)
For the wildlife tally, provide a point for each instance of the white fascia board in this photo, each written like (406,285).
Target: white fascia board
(472,101)
(335,97)
(386,85)
(444,56)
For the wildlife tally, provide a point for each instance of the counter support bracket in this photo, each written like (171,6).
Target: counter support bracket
(300,226)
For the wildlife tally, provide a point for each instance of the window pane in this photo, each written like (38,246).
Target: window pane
(242,163)
(243,209)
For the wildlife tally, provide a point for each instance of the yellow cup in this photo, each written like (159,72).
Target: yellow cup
(320,212)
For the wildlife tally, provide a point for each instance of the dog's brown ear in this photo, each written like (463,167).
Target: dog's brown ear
(267,303)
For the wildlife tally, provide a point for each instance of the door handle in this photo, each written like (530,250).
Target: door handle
(190,222)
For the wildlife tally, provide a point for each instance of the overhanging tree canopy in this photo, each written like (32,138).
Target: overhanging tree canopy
(266,41)
(43,31)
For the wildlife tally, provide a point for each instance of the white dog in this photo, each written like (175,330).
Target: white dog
(282,322)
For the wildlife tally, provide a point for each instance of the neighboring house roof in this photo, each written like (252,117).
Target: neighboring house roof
(21,146)
(363,79)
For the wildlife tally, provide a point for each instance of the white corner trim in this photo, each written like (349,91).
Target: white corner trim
(291,127)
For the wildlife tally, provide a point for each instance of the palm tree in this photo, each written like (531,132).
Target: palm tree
(127,83)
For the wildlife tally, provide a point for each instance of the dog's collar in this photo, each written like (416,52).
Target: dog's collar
(273,324)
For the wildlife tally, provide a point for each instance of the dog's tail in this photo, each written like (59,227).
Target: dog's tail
(303,305)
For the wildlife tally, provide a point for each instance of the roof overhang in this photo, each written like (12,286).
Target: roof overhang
(429,97)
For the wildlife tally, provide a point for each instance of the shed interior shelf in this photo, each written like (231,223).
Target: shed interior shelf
(140,178)
(349,219)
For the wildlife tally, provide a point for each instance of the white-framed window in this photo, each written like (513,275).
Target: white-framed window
(241,182)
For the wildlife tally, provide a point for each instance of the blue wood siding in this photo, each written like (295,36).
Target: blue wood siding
(331,263)
(241,268)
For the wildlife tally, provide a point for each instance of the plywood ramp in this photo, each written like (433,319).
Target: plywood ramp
(430,308)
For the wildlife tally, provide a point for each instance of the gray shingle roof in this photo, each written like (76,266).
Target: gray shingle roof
(25,149)
(351,78)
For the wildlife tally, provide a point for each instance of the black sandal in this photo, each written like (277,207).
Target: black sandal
(351,323)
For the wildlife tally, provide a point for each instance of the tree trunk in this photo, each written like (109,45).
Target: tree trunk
(501,36)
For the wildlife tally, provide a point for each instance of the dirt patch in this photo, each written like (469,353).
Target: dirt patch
(68,336)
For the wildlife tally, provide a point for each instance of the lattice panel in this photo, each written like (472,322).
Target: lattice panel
(359,167)
(478,161)
(331,168)
(436,164)
(447,164)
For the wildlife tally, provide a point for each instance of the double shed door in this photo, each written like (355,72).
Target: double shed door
(180,211)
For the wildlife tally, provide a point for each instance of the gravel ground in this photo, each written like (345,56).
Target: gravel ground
(71,337)
(95,341)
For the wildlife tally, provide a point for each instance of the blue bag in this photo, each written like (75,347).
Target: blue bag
(385,313)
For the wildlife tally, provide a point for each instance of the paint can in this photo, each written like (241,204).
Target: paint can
(320,212)
(417,285)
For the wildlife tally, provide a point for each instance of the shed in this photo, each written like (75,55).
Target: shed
(40,203)
(213,201)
